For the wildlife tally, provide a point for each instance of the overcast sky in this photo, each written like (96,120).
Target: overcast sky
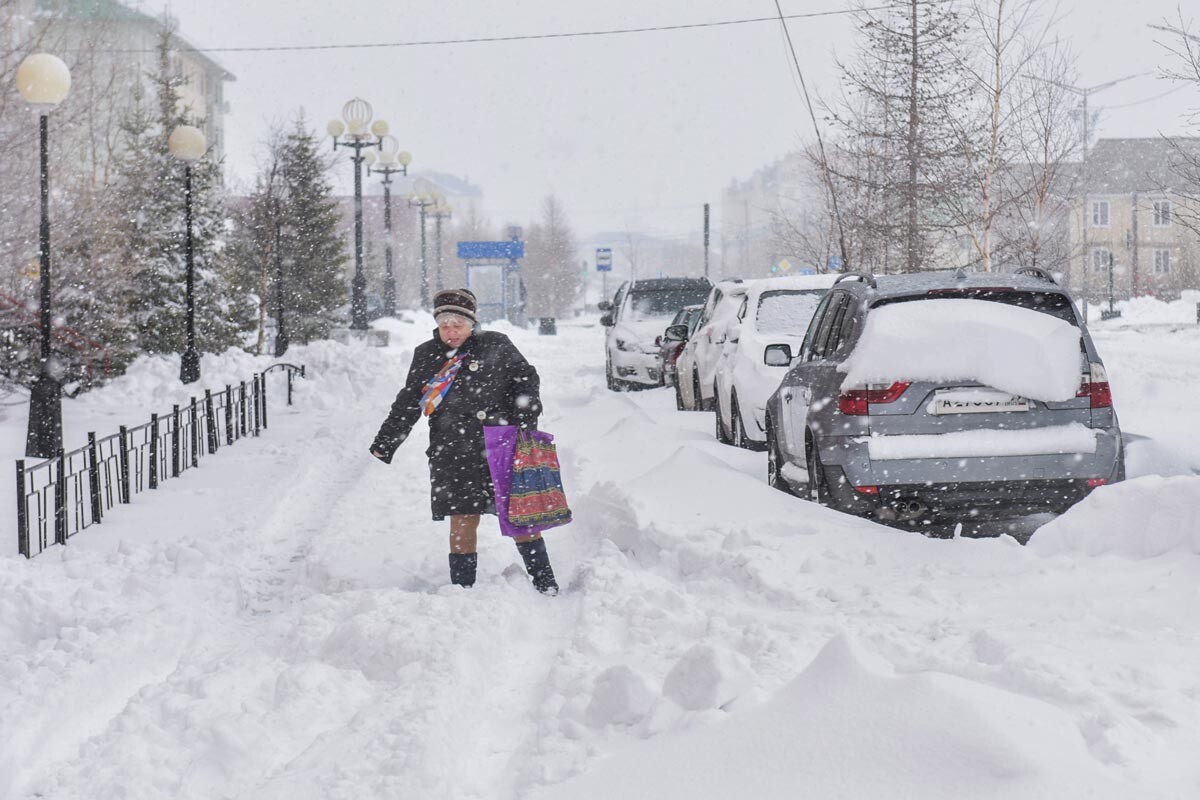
(633,131)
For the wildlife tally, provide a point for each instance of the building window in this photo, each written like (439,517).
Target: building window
(1162,262)
(1100,258)
(1099,213)
(1162,213)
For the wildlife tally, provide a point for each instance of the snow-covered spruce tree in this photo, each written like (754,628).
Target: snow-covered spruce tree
(314,250)
(898,149)
(551,270)
(152,200)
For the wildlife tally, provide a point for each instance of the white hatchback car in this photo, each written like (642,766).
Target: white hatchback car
(773,311)
(696,366)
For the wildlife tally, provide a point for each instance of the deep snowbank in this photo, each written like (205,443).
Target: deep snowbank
(1140,518)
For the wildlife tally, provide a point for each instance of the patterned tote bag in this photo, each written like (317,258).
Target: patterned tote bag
(536,496)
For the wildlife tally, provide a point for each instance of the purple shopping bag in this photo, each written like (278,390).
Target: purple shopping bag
(501,444)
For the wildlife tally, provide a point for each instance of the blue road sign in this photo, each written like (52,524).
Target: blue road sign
(603,259)
(478,251)
(833,264)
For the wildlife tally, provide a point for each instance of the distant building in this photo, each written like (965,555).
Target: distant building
(1130,212)
(752,211)
(111,48)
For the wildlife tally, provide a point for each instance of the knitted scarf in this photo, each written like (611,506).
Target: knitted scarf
(439,384)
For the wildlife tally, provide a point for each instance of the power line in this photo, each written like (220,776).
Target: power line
(837,214)
(523,36)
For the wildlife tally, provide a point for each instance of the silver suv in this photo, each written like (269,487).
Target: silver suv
(915,450)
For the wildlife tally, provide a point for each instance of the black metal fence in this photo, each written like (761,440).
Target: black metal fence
(62,496)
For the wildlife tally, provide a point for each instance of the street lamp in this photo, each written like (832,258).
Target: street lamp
(423,197)
(44,81)
(441,211)
(391,162)
(360,134)
(187,144)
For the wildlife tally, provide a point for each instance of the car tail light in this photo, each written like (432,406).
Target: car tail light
(1095,387)
(1092,483)
(856,402)
(867,489)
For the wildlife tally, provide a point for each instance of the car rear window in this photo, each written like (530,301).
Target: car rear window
(1053,303)
(787,312)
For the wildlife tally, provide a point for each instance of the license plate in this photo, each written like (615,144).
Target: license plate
(975,401)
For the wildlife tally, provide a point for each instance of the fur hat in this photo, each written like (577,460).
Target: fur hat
(455,301)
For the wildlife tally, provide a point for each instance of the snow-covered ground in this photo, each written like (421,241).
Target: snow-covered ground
(277,624)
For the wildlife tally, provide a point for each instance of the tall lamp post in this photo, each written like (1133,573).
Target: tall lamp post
(44,81)
(391,162)
(188,145)
(360,134)
(422,198)
(441,211)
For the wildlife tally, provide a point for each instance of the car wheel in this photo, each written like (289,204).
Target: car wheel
(679,406)
(738,432)
(818,485)
(775,464)
(697,403)
(721,433)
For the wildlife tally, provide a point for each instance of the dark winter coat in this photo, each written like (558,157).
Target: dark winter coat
(494,386)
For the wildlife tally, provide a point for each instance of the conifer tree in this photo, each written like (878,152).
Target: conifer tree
(152,198)
(313,248)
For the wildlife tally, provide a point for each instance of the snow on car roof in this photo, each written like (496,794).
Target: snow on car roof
(793,282)
(1013,349)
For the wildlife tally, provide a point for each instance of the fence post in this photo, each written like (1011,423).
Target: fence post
(194,438)
(93,468)
(22,511)
(242,406)
(175,441)
(256,399)
(124,464)
(228,414)
(289,379)
(263,381)
(210,421)
(60,500)
(153,451)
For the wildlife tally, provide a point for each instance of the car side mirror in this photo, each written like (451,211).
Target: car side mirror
(607,320)
(675,333)
(777,355)
(604,305)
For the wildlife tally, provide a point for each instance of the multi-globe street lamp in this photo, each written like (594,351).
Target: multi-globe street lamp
(360,134)
(441,210)
(423,197)
(188,144)
(391,161)
(44,81)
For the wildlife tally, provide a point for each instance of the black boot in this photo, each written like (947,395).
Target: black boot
(537,564)
(462,568)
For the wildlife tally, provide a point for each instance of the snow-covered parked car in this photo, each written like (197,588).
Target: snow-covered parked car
(635,318)
(941,396)
(696,366)
(673,338)
(774,311)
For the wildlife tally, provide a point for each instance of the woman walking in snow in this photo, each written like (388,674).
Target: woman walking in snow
(463,379)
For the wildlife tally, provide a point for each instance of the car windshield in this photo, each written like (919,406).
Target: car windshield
(787,312)
(648,304)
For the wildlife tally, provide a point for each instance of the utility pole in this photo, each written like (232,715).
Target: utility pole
(706,240)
